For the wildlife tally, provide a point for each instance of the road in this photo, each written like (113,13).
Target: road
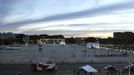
(63,69)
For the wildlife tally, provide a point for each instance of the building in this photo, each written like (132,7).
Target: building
(7,38)
(55,39)
(123,38)
(8,35)
(123,35)
(51,41)
(93,45)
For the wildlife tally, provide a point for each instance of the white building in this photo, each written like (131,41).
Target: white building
(93,45)
(60,41)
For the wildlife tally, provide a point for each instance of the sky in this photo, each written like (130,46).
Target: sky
(77,18)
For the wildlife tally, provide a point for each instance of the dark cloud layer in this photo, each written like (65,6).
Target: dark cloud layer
(86,13)
(97,24)
(7,8)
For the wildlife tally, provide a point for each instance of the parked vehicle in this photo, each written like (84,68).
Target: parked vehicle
(43,66)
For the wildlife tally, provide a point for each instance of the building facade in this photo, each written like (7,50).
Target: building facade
(123,35)
(51,41)
(56,39)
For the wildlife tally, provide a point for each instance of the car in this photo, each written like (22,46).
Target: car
(110,68)
(43,66)
(131,67)
(12,47)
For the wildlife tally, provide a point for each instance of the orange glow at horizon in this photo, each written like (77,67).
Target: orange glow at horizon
(97,35)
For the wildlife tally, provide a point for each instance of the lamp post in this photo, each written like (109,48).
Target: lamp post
(129,73)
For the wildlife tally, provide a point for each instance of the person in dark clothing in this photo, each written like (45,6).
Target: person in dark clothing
(40,47)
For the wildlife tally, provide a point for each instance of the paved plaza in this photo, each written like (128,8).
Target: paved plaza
(61,54)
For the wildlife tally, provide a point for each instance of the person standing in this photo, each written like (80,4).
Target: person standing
(40,47)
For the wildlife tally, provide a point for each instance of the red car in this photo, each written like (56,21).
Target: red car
(43,66)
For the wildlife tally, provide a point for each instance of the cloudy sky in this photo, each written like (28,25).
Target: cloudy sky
(98,18)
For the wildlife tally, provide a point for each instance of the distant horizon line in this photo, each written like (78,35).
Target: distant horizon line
(74,36)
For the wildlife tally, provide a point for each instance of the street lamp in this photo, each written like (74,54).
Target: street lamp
(129,73)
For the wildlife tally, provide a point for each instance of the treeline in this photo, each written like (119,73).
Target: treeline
(23,38)
(116,41)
